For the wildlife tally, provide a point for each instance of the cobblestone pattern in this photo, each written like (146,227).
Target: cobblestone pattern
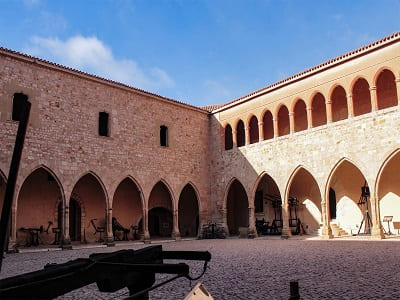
(261,269)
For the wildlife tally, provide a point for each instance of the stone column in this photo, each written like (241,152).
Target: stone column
(350,106)
(234,138)
(252,233)
(397,80)
(328,105)
(376,230)
(12,243)
(260,131)
(109,238)
(65,239)
(286,233)
(326,227)
(247,134)
(374,98)
(309,117)
(276,129)
(145,224)
(175,227)
(224,213)
(291,122)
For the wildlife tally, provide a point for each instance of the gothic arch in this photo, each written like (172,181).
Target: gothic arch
(170,191)
(138,186)
(189,211)
(98,179)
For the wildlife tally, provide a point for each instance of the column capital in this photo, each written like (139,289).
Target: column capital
(328,102)
(260,123)
(372,88)
(291,113)
(309,108)
(397,80)
(350,95)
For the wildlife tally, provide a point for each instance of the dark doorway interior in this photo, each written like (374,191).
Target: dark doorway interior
(74,220)
(160,222)
(332,204)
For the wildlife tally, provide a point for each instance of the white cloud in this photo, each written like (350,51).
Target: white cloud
(91,55)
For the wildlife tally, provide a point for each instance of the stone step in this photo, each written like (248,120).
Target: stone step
(337,231)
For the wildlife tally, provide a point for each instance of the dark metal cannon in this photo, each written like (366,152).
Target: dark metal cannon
(110,271)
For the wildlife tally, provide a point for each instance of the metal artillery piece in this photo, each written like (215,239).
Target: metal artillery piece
(110,271)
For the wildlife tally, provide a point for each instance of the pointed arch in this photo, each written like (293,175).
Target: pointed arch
(237,205)
(346,179)
(387,190)
(128,205)
(38,194)
(304,201)
(189,211)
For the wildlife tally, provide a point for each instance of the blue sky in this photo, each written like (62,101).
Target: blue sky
(199,52)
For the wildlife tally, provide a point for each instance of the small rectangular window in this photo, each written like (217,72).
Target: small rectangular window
(164,136)
(103,124)
(258,202)
(18,105)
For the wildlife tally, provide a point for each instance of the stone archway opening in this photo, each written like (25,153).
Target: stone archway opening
(386,90)
(240,134)
(237,208)
(268,207)
(318,110)
(37,198)
(268,126)
(253,130)
(160,211)
(361,97)
(127,209)
(188,212)
(283,121)
(339,104)
(89,192)
(228,137)
(347,182)
(389,194)
(300,116)
(304,204)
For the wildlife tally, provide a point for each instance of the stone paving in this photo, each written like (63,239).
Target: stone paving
(260,269)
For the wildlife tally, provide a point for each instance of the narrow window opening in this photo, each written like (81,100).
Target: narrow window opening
(258,202)
(18,105)
(164,136)
(103,124)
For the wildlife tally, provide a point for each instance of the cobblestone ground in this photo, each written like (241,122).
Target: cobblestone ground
(260,269)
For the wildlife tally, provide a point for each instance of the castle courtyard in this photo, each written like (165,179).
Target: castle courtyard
(261,268)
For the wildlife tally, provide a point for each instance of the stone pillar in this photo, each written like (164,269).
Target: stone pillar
(109,238)
(175,227)
(374,98)
(326,227)
(234,138)
(309,117)
(65,238)
(145,224)
(350,106)
(12,243)
(224,213)
(247,134)
(286,233)
(397,80)
(276,129)
(328,105)
(291,122)
(260,131)
(376,230)
(252,233)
